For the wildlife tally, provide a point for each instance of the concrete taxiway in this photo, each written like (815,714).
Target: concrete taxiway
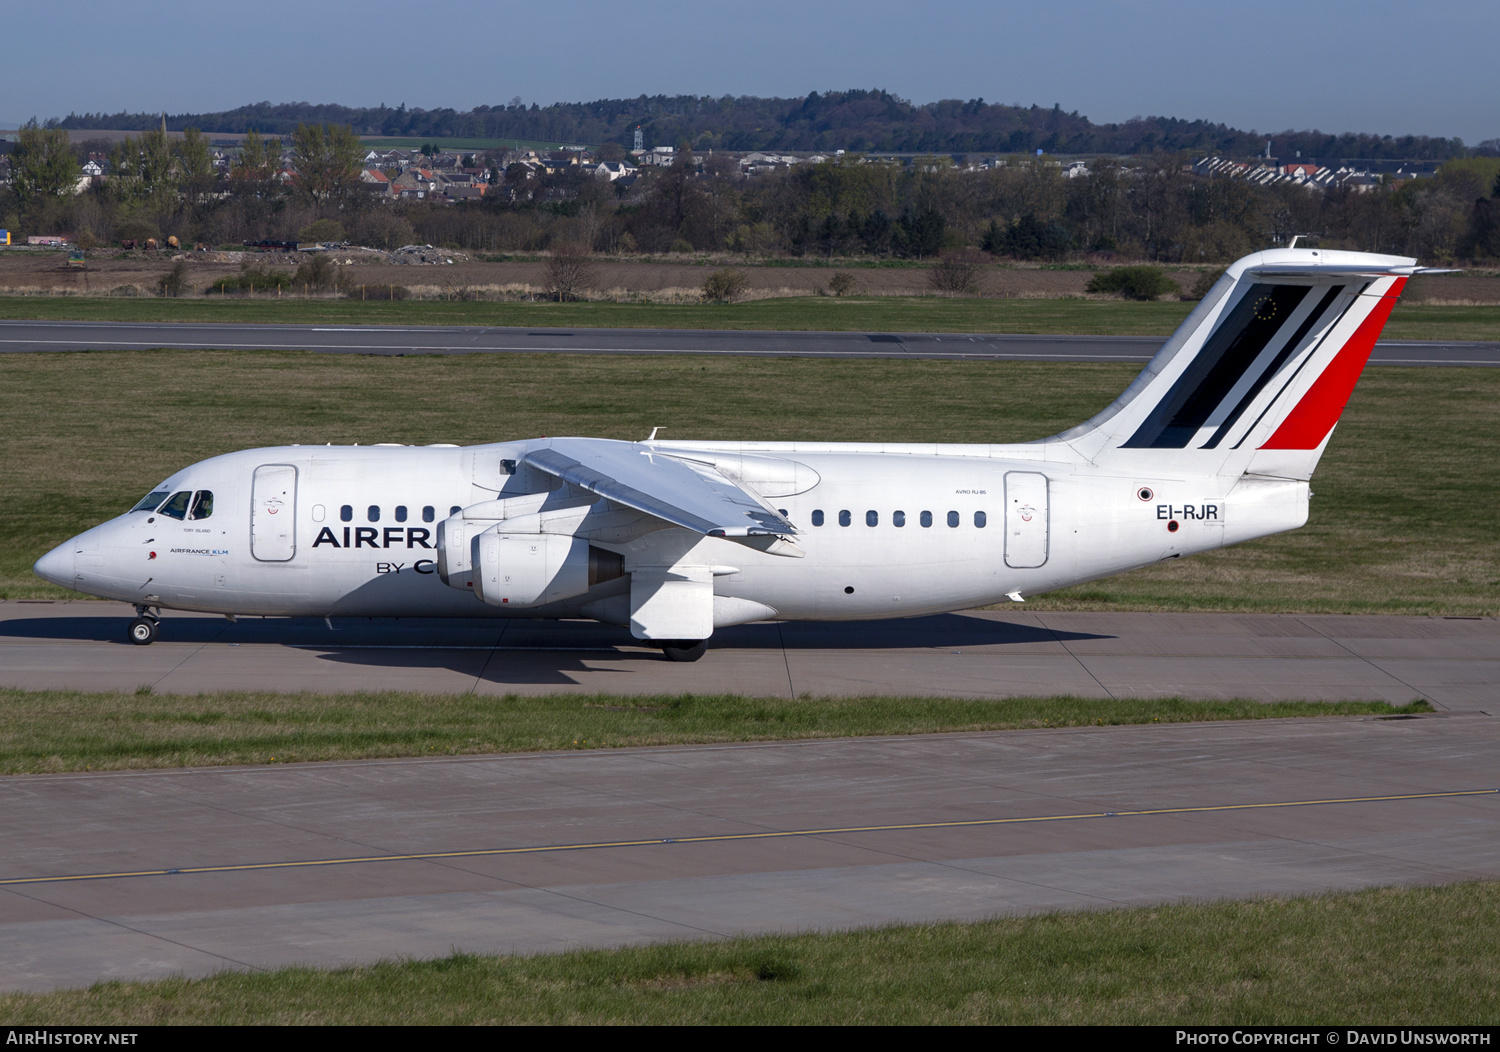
(1454,663)
(31,336)
(148,874)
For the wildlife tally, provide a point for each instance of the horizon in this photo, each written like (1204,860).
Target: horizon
(1283,64)
(79,133)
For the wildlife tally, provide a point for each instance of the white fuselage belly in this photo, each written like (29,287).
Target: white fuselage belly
(1092,524)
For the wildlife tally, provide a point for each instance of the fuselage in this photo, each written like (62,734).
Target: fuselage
(1214,443)
(888,530)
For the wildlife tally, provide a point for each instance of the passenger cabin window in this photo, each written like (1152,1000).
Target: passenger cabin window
(845,518)
(428,514)
(152,500)
(203,504)
(898,518)
(926,518)
(872,518)
(177,507)
(953,519)
(346,513)
(980,519)
(373,512)
(817,517)
(400,512)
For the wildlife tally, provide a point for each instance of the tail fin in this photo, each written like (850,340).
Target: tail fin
(1256,377)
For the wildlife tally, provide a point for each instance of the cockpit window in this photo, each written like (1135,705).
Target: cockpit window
(203,504)
(177,507)
(152,500)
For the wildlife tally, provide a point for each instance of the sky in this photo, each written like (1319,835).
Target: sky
(1335,65)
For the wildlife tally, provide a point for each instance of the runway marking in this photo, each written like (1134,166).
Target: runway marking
(721,837)
(1429,361)
(454,646)
(364,329)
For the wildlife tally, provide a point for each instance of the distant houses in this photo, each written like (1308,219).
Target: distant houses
(1301,173)
(454,176)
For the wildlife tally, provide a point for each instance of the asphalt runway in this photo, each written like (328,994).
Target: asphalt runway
(32,336)
(149,874)
(154,873)
(1453,663)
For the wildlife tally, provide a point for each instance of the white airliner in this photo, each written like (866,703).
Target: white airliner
(1213,444)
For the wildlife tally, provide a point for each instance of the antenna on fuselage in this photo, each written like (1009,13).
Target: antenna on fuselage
(652,436)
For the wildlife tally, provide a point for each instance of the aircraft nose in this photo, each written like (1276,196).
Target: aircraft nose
(57,565)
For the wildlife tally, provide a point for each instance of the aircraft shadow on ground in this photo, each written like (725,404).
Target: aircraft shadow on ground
(938,630)
(107,629)
(545,652)
(536,652)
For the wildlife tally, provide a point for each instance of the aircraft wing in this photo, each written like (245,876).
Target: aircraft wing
(676,490)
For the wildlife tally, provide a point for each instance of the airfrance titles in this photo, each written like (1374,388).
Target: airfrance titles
(375,537)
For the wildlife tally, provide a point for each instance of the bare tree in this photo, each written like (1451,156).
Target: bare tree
(723,286)
(957,272)
(570,272)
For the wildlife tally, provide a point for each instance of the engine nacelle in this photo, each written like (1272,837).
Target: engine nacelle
(530,569)
(557,512)
(455,547)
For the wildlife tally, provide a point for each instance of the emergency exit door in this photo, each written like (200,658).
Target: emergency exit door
(1026,516)
(273,513)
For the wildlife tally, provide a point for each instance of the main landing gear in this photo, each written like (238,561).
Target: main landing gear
(145,628)
(683,649)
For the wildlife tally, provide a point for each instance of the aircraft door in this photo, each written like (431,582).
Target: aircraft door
(1026,519)
(273,513)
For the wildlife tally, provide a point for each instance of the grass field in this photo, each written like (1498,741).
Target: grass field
(1393,956)
(802,313)
(51,731)
(1403,520)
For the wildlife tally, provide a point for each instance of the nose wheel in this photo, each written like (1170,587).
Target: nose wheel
(143,630)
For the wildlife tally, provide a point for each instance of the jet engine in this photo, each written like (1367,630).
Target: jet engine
(530,569)
(516,561)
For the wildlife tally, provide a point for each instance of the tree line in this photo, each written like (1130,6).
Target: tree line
(1152,209)
(857,120)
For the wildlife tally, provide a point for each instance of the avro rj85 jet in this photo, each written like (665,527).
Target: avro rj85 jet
(1213,444)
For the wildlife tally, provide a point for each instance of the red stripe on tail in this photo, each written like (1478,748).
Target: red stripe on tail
(1308,424)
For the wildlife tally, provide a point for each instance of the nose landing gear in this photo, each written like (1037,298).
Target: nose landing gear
(144,629)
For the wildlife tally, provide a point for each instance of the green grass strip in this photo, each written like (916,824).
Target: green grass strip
(1390,956)
(46,731)
(1402,521)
